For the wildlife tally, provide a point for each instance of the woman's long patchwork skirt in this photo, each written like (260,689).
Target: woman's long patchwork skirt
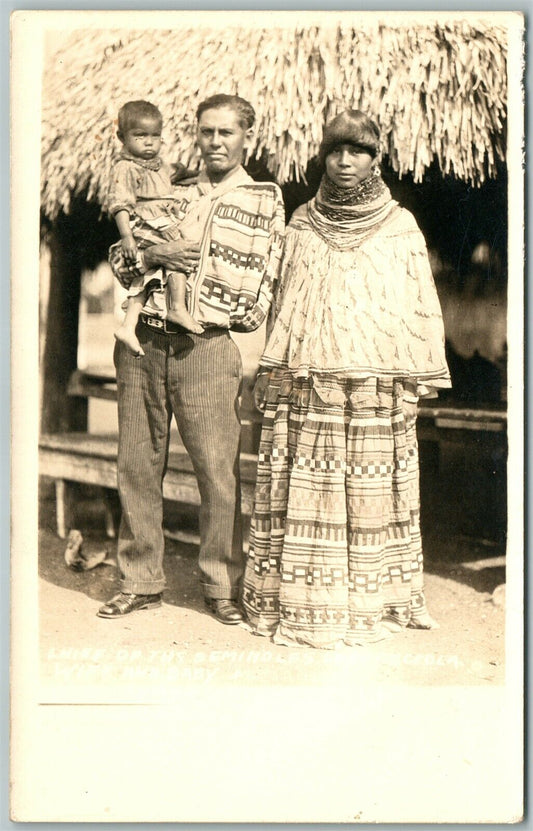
(335,550)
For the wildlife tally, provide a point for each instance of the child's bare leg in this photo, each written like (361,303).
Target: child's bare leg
(126,333)
(177,309)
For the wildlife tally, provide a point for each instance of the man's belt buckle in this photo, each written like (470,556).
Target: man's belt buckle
(154,322)
(162,325)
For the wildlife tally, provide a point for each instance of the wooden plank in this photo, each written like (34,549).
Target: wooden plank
(463,424)
(463,415)
(76,457)
(81,386)
(78,468)
(98,445)
(78,448)
(177,486)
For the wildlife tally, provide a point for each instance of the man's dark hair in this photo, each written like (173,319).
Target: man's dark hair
(244,110)
(131,111)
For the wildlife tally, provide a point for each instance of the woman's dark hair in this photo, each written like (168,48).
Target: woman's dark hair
(131,111)
(350,127)
(244,110)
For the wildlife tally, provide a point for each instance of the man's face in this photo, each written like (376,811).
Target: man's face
(221,140)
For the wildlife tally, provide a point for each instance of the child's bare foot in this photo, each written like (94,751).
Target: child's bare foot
(182,317)
(130,340)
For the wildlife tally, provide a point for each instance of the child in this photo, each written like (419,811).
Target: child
(141,201)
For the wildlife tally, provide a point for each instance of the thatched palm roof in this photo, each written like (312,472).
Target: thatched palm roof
(438,91)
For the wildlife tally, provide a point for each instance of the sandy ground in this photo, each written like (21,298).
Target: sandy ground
(182,644)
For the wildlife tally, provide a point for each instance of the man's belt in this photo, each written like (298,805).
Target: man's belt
(166,327)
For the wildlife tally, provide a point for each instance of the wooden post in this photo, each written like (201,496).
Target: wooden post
(63,508)
(59,411)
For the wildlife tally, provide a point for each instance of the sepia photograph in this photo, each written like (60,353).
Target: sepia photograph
(267,416)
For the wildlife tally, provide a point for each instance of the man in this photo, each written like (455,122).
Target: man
(233,262)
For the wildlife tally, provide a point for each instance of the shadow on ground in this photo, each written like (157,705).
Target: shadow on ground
(475,561)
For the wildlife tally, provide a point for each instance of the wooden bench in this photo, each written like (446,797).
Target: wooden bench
(92,459)
(442,420)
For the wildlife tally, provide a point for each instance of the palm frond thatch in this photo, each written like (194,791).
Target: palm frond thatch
(438,91)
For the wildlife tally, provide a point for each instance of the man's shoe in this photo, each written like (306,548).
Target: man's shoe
(225,611)
(122,604)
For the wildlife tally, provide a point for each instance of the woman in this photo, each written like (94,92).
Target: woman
(335,551)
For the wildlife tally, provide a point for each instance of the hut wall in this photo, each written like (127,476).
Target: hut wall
(59,412)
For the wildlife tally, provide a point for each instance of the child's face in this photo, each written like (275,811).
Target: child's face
(143,138)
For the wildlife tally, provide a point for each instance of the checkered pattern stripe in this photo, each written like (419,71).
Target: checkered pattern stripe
(249,219)
(238,259)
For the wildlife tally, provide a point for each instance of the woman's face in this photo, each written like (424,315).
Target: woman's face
(347,165)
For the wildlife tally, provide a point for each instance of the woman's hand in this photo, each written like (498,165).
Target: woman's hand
(410,410)
(260,389)
(177,255)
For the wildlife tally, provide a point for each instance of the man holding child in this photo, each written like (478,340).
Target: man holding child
(231,262)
